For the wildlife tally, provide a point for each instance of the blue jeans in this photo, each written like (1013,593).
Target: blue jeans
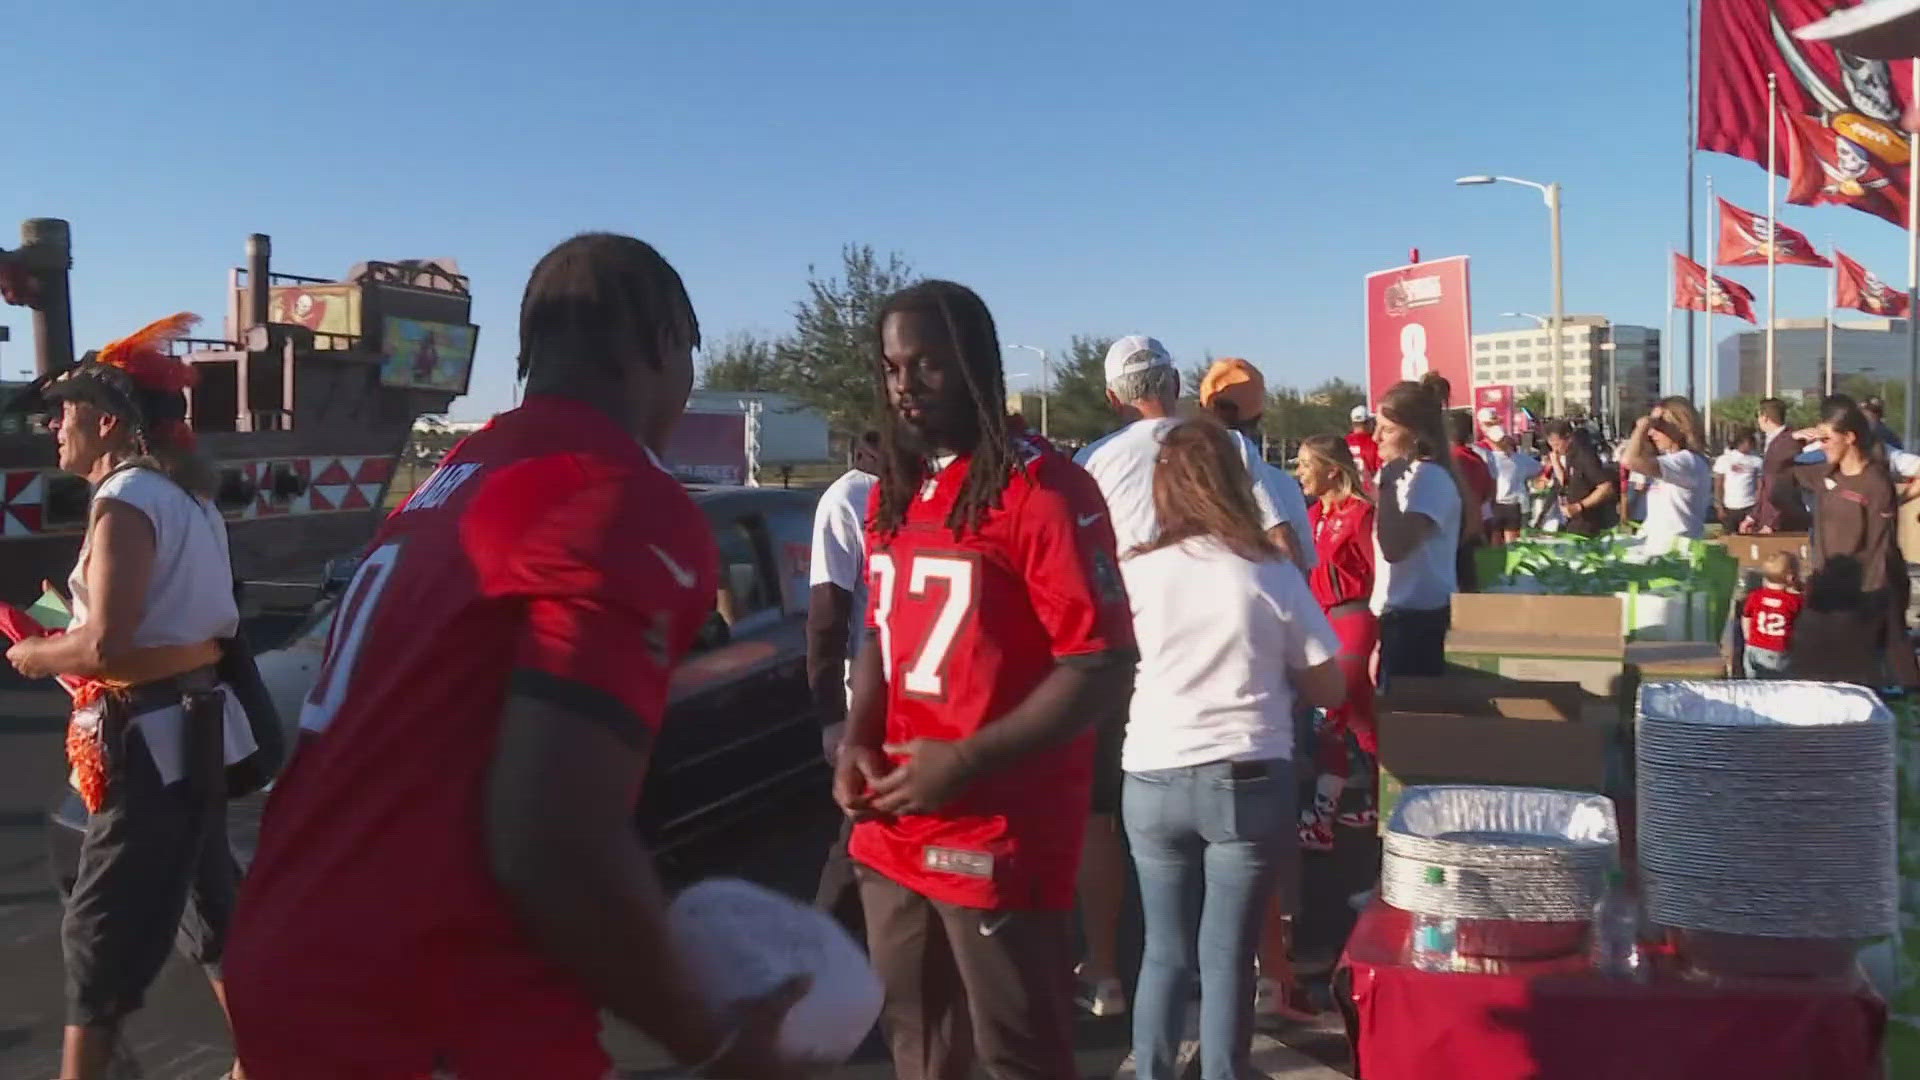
(1210,843)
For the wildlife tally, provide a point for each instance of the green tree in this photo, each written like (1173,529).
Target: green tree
(829,361)
(1077,407)
(1196,373)
(1534,401)
(1292,414)
(744,362)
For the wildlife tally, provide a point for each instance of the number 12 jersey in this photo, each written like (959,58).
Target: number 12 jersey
(968,625)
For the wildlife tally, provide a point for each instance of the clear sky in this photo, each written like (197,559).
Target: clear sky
(1218,175)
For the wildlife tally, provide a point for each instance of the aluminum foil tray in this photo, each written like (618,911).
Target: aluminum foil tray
(1511,853)
(1767,809)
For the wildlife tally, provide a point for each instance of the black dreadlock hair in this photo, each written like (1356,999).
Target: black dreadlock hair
(595,295)
(977,345)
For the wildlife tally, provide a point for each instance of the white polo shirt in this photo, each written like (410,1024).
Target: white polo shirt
(1122,463)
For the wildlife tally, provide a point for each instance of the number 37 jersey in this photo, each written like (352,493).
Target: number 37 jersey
(968,626)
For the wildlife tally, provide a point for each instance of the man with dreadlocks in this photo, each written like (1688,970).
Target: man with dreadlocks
(448,875)
(1002,630)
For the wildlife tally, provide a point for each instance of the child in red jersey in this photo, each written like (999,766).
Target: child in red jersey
(1767,619)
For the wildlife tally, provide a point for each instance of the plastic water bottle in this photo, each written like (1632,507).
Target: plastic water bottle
(1615,942)
(1436,938)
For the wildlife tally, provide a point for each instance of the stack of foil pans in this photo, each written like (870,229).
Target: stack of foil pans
(1767,809)
(1508,853)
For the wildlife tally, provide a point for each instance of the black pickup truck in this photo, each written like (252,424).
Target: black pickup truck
(740,728)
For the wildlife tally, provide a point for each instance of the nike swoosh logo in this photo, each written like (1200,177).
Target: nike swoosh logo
(1088,519)
(681,574)
(990,926)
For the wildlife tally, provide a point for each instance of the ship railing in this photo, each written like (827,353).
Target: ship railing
(185,345)
(415,275)
(295,279)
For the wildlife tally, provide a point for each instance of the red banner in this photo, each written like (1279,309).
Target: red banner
(1862,291)
(709,447)
(1498,400)
(1745,237)
(1696,290)
(1857,102)
(1419,320)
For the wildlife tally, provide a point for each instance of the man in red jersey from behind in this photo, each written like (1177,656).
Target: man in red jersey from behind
(448,876)
(1361,444)
(1001,630)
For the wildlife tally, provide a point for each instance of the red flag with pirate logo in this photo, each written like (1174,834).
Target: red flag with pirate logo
(1696,290)
(1862,291)
(1856,102)
(1745,237)
(1822,167)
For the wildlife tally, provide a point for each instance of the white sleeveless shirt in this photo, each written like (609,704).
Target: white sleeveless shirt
(189,598)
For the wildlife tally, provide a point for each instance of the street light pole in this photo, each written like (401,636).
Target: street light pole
(1046,384)
(1551,194)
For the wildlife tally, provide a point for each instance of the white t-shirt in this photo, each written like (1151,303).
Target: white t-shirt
(1510,475)
(1287,497)
(1679,498)
(189,600)
(1218,635)
(840,547)
(1741,488)
(190,595)
(1122,464)
(1426,579)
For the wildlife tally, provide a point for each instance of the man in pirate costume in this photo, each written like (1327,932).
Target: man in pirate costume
(154,730)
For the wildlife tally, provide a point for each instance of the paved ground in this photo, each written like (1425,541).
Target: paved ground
(180,1035)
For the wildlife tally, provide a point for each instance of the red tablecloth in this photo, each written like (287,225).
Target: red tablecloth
(1560,1021)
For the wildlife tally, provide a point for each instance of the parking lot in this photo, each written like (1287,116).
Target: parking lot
(180,1035)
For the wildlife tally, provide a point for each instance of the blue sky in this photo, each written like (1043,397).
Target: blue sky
(1218,175)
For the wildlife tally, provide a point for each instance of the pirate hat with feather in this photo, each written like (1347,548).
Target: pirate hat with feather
(136,378)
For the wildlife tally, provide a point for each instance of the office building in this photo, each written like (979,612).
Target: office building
(1866,347)
(1600,360)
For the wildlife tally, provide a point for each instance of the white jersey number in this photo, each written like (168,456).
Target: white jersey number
(1769,623)
(350,622)
(926,674)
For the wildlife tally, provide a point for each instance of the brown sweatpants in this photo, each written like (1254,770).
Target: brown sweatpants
(963,983)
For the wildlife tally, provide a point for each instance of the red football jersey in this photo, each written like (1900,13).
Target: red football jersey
(1769,614)
(549,553)
(1343,540)
(968,626)
(1366,452)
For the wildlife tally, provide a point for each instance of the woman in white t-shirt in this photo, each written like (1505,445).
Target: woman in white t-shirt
(152,595)
(1230,637)
(1665,447)
(1417,525)
(1513,469)
(1737,473)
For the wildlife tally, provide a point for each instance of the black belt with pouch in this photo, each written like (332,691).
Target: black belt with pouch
(199,696)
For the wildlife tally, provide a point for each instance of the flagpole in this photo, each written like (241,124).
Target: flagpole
(1713,263)
(1773,223)
(1833,301)
(1693,98)
(1912,426)
(1666,342)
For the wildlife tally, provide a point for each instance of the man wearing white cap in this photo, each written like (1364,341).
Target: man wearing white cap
(1366,452)
(1143,387)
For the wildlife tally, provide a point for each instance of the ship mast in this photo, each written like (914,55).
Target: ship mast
(35,275)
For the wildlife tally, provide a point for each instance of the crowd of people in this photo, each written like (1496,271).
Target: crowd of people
(1036,675)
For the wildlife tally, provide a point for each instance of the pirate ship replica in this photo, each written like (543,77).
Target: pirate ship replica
(305,406)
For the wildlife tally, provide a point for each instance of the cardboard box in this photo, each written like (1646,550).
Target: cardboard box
(1751,551)
(1573,639)
(1489,730)
(1666,661)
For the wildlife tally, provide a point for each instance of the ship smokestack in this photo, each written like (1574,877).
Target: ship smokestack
(49,243)
(259,257)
